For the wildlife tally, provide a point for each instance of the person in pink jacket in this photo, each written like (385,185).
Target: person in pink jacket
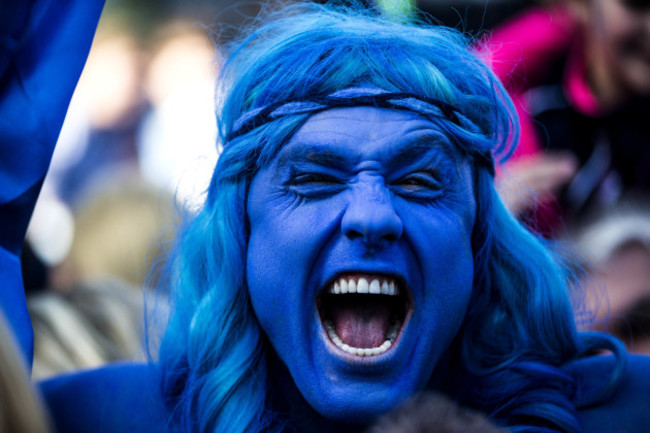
(579,74)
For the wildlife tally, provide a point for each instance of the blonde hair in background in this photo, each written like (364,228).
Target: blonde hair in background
(95,323)
(21,409)
(121,231)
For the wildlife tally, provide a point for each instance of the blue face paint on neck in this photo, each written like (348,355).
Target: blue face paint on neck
(376,202)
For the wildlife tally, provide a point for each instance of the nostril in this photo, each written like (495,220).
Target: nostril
(353,234)
(391,237)
(373,233)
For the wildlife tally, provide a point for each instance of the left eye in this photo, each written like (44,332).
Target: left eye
(420,181)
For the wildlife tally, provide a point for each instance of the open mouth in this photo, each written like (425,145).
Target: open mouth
(363,314)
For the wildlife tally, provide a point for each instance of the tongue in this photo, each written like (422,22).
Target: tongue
(361,323)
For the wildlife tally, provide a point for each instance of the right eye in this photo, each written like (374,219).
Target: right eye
(315,185)
(314,179)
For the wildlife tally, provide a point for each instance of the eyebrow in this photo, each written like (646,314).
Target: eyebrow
(314,153)
(417,148)
(403,153)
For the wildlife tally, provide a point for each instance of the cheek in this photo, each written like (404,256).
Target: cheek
(457,283)
(449,263)
(276,281)
(448,272)
(261,277)
(451,290)
(286,239)
(443,245)
(265,262)
(441,238)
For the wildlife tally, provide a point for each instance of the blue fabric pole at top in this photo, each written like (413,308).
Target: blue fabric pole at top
(43,48)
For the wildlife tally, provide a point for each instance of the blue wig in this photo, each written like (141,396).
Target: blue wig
(519,329)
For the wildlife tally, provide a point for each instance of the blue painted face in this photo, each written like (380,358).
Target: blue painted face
(359,261)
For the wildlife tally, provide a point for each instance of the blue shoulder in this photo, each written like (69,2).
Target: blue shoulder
(627,409)
(125,397)
(118,398)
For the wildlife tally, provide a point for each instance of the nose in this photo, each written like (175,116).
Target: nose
(370,215)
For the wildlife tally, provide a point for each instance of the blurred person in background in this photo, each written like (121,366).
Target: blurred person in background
(144,105)
(616,245)
(176,143)
(94,323)
(136,127)
(121,231)
(99,137)
(98,227)
(86,302)
(579,73)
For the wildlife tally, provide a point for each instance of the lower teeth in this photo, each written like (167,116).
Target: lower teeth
(359,351)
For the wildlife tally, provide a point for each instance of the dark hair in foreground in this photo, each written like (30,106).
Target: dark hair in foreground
(433,413)
(519,328)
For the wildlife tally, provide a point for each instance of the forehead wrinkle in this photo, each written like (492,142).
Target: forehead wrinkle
(326,146)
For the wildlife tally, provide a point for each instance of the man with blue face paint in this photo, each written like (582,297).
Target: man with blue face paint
(381,209)
(352,251)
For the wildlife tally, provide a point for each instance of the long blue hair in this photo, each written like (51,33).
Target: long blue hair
(519,328)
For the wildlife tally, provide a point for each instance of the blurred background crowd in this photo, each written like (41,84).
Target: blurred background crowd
(139,145)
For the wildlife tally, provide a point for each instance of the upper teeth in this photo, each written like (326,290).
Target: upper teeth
(352,285)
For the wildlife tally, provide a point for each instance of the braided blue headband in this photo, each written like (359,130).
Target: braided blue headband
(360,96)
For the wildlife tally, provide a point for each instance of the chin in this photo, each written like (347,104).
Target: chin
(358,404)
